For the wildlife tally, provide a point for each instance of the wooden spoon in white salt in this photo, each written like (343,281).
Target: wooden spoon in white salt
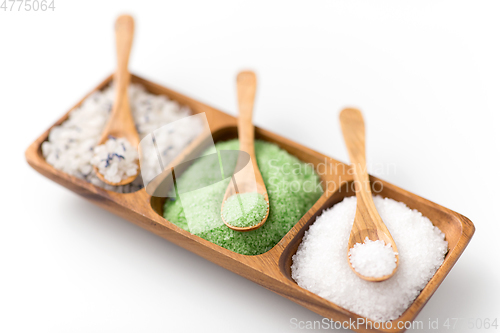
(367,221)
(121,123)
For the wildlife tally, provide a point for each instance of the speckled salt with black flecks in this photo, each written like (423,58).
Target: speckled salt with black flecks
(321,265)
(70,146)
(116,159)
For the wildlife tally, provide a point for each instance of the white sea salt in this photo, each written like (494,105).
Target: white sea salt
(320,264)
(372,258)
(70,146)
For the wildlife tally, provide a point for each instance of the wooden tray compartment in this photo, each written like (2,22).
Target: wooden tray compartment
(458,231)
(231,132)
(271,269)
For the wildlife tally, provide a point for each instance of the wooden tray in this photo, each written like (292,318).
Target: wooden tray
(271,269)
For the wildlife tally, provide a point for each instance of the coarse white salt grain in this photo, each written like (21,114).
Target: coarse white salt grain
(372,258)
(320,264)
(116,159)
(70,146)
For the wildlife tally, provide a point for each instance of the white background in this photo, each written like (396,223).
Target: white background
(426,74)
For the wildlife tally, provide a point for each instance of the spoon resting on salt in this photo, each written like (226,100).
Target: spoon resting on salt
(245,205)
(121,123)
(368,230)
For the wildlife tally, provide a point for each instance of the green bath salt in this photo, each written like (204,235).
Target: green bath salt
(244,210)
(292,185)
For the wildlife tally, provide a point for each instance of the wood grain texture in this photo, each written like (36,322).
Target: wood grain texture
(367,221)
(271,269)
(121,122)
(248,179)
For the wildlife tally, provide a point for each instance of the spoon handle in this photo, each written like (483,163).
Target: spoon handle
(246,85)
(121,120)
(353,128)
(124,35)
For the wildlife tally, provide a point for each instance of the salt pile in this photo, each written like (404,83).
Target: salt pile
(199,209)
(320,264)
(245,210)
(70,146)
(372,258)
(116,159)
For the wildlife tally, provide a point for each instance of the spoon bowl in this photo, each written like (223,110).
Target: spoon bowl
(249,178)
(367,221)
(373,235)
(121,123)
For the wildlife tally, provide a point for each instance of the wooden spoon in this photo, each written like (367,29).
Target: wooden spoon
(247,177)
(367,221)
(121,123)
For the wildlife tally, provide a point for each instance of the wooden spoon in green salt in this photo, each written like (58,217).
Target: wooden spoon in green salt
(245,206)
